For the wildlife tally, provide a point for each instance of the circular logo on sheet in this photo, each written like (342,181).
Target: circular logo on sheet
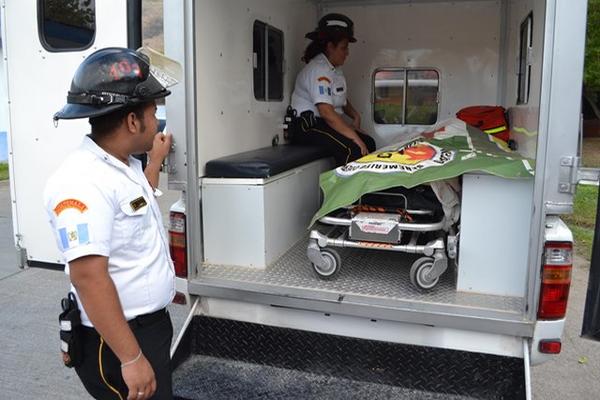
(409,158)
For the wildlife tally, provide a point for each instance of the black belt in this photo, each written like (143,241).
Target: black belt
(148,319)
(137,322)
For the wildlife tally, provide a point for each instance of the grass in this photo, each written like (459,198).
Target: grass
(591,152)
(583,220)
(3,171)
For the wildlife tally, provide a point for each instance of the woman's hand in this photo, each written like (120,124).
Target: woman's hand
(363,147)
(335,121)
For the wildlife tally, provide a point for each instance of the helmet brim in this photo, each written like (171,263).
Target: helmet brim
(75,111)
(314,35)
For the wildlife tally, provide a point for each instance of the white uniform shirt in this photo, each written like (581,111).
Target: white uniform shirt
(319,82)
(99,206)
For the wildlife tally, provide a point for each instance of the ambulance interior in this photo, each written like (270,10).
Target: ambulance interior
(415,63)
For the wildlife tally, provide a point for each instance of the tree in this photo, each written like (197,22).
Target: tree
(591,75)
(71,12)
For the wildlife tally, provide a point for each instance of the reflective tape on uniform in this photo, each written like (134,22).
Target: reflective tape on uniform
(65,325)
(496,130)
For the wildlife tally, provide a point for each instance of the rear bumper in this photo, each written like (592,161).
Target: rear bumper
(545,330)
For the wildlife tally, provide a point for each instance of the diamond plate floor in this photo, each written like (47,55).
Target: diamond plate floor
(239,360)
(218,379)
(368,273)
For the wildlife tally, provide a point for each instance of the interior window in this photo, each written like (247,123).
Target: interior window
(67,25)
(421,97)
(406,96)
(275,64)
(267,62)
(389,97)
(258,40)
(525,45)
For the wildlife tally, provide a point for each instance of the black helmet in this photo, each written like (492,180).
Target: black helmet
(332,24)
(110,79)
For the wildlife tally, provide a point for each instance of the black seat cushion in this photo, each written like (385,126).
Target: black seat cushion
(263,163)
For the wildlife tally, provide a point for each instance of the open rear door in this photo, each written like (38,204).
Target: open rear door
(591,316)
(44,42)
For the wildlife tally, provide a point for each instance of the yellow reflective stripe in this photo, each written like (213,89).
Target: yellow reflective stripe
(524,131)
(340,143)
(102,371)
(496,130)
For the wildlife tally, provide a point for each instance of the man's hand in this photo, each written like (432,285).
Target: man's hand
(160,147)
(140,380)
(99,298)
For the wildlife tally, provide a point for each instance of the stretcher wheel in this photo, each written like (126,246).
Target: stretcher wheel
(333,262)
(419,273)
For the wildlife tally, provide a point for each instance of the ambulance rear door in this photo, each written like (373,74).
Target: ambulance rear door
(44,42)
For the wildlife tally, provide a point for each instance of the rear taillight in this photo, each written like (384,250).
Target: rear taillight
(179,298)
(550,346)
(556,280)
(177,243)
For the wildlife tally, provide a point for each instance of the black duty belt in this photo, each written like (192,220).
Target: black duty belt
(148,319)
(137,322)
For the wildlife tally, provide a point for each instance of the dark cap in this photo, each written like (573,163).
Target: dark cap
(333,24)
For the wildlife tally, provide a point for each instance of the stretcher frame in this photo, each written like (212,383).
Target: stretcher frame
(425,271)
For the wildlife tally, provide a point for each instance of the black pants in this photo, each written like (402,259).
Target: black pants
(100,372)
(339,146)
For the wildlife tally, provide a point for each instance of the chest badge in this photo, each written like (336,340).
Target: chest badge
(138,203)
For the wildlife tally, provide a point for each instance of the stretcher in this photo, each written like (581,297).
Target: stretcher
(423,220)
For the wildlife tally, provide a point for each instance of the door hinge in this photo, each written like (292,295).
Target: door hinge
(21,253)
(571,174)
(567,176)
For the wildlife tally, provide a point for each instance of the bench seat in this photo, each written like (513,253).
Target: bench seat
(264,162)
(256,205)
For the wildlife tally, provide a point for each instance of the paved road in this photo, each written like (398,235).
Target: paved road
(30,366)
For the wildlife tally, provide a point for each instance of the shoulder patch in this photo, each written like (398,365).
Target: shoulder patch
(324,90)
(73,236)
(324,79)
(70,203)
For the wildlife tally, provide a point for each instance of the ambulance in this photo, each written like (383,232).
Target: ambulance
(261,323)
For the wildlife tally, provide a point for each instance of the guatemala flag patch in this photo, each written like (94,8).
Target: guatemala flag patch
(324,89)
(73,236)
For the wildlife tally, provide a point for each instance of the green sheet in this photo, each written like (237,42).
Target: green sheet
(450,149)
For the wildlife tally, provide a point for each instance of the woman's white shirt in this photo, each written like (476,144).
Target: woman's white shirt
(319,82)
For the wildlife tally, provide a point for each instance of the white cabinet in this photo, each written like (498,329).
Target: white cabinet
(494,235)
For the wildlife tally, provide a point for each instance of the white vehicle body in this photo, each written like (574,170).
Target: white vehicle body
(474,47)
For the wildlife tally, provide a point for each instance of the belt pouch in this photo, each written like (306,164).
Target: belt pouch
(70,332)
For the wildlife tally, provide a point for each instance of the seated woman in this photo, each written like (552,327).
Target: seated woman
(320,94)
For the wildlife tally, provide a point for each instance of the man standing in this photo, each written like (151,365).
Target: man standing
(109,227)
